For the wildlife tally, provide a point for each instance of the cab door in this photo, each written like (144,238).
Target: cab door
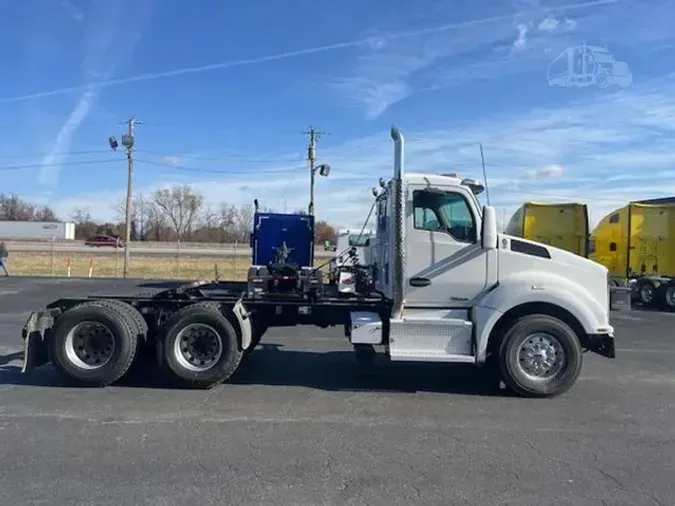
(445,263)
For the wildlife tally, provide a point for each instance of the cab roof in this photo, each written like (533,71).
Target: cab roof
(432,179)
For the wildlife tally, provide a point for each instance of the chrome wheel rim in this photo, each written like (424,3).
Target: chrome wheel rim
(541,356)
(90,345)
(198,347)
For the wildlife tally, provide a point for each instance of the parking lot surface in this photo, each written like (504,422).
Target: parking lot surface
(303,425)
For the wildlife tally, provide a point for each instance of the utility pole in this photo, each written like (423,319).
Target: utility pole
(324,170)
(128,142)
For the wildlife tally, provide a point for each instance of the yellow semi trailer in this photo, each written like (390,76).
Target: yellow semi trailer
(637,244)
(563,226)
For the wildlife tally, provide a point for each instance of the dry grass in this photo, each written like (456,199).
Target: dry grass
(141,266)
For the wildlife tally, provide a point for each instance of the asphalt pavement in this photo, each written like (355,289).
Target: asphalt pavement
(303,425)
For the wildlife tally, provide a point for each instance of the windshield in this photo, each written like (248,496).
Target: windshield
(355,240)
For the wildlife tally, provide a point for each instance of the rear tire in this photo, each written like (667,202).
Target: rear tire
(92,345)
(199,347)
(540,356)
(647,293)
(667,296)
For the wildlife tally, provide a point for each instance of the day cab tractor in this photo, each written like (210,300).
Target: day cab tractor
(446,287)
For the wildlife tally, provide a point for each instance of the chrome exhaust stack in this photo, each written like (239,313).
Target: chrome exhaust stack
(399,223)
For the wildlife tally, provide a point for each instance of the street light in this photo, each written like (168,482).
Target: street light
(323,170)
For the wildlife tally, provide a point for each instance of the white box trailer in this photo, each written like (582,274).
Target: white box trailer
(37,230)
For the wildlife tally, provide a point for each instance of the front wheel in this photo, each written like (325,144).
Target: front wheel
(540,356)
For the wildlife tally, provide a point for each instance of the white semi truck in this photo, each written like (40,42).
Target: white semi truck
(447,288)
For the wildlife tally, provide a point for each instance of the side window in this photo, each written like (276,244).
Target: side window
(614,218)
(444,212)
(591,246)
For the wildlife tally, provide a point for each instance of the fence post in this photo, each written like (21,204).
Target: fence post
(234,259)
(178,258)
(117,256)
(69,266)
(91,266)
(51,260)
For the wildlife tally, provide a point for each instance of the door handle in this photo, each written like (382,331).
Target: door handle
(420,282)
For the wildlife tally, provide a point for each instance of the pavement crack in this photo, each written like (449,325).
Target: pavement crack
(611,477)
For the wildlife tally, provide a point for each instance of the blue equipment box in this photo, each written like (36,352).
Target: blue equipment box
(271,230)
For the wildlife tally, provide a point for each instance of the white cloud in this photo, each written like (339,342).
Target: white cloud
(550,171)
(521,40)
(172,160)
(551,24)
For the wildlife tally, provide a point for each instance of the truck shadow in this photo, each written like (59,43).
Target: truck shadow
(272,365)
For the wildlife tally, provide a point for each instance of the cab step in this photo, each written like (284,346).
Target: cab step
(431,340)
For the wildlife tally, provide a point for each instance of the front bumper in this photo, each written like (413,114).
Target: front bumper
(35,333)
(602,344)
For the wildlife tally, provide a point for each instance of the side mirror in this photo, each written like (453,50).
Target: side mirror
(489,228)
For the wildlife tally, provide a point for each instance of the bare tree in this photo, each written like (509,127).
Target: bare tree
(180,204)
(243,223)
(140,216)
(14,208)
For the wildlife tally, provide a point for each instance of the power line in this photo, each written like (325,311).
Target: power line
(62,164)
(239,159)
(62,153)
(219,172)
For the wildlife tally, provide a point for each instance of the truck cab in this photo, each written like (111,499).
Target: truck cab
(462,292)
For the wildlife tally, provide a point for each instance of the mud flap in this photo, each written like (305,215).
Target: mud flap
(244,324)
(34,335)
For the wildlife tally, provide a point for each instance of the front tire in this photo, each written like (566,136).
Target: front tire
(199,347)
(540,356)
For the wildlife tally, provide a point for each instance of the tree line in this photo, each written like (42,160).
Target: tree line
(172,214)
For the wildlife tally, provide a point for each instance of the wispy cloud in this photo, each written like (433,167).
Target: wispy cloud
(584,152)
(103,51)
(49,172)
(74,12)
(550,171)
(372,42)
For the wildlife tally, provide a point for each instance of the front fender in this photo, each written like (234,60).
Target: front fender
(542,287)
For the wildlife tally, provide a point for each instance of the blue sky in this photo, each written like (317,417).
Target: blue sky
(225,90)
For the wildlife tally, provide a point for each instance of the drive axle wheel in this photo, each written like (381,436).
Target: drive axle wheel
(669,297)
(540,356)
(92,345)
(199,347)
